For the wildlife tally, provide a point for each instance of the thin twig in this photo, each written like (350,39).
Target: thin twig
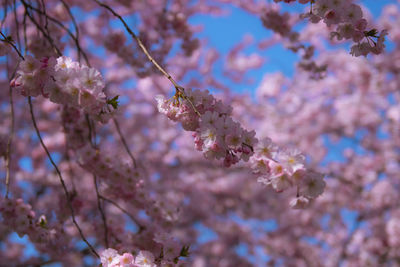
(70,169)
(16,24)
(60,177)
(91,127)
(179,89)
(5,10)
(103,215)
(9,142)
(90,130)
(141,45)
(48,37)
(46,21)
(76,31)
(121,136)
(61,25)
(13,46)
(141,227)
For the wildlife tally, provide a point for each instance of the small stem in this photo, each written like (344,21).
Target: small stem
(77,33)
(46,21)
(48,37)
(67,195)
(179,89)
(121,136)
(141,227)
(13,46)
(16,24)
(90,134)
(5,10)
(61,25)
(9,142)
(141,45)
(103,215)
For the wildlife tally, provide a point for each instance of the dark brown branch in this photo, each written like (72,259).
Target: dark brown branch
(121,136)
(61,25)
(9,142)
(48,37)
(67,195)
(141,227)
(13,46)
(140,44)
(180,91)
(76,39)
(16,24)
(103,215)
(5,10)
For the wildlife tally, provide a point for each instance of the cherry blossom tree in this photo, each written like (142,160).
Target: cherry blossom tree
(121,146)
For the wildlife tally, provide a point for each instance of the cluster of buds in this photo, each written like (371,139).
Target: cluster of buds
(20,217)
(111,258)
(64,81)
(347,18)
(171,253)
(215,132)
(219,137)
(285,168)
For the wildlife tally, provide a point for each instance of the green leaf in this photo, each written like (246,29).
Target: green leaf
(184,251)
(113,102)
(371,33)
(42,223)
(9,39)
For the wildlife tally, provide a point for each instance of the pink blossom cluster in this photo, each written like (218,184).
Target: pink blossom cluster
(170,24)
(75,127)
(126,182)
(278,23)
(176,21)
(111,258)
(122,179)
(345,15)
(283,25)
(364,48)
(116,43)
(63,81)
(20,217)
(284,168)
(18,214)
(351,25)
(170,255)
(352,111)
(216,134)
(40,47)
